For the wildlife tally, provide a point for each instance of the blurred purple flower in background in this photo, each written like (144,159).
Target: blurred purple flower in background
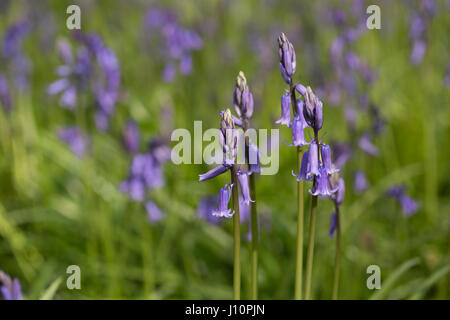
(205,208)
(366,145)
(75,140)
(74,73)
(360,183)
(102,79)
(154,213)
(420,22)
(10,288)
(447,76)
(408,204)
(12,51)
(131,138)
(5,95)
(177,42)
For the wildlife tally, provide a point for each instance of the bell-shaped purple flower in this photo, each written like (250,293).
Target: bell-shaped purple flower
(300,106)
(285,110)
(154,213)
(214,172)
(245,190)
(224,199)
(298,135)
(10,288)
(305,168)
(326,159)
(205,208)
(254,159)
(313,155)
(322,187)
(313,110)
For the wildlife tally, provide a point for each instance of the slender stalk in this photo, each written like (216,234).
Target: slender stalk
(300,214)
(310,253)
(255,238)
(237,238)
(338,255)
(253,223)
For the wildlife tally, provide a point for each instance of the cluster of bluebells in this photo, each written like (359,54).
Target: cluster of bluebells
(13,56)
(10,288)
(408,204)
(177,42)
(94,69)
(316,164)
(418,31)
(146,170)
(228,137)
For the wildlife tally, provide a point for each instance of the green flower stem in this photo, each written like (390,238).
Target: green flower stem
(310,253)
(338,255)
(237,237)
(253,223)
(300,214)
(255,238)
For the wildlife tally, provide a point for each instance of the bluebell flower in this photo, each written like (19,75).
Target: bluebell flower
(10,288)
(243,98)
(5,95)
(313,110)
(322,187)
(224,199)
(326,159)
(360,183)
(146,172)
(243,182)
(74,74)
(177,43)
(285,110)
(254,163)
(313,159)
(206,206)
(154,213)
(75,139)
(408,204)
(366,145)
(305,168)
(214,172)
(298,136)
(12,51)
(287,58)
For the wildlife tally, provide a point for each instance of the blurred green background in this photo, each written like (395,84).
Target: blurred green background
(57,209)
